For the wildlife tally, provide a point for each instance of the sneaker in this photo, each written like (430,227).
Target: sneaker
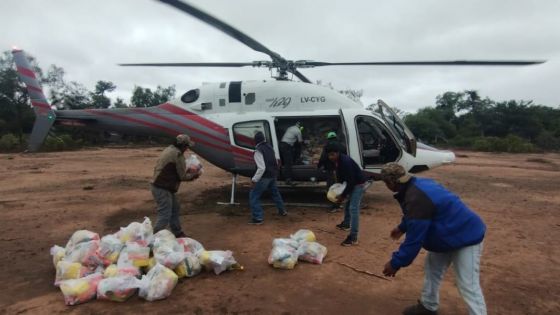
(349,241)
(180,234)
(343,227)
(418,309)
(283,213)
(255,222)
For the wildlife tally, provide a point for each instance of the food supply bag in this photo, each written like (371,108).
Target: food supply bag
(57,254)
(117,289)
(191,245)
(78,291)
(285,242)
(189,267)
(81,236)
(134,254)
(219,261)
(303,235)
(312,252)
(110,247)
(158,283)
(84,253)
(69,270)
(167,251)
(335,190)
(193,164)
(283,257)
(115,271)
(140,233)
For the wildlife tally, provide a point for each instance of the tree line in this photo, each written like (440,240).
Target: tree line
(17,117)
(457,119)
(465,119)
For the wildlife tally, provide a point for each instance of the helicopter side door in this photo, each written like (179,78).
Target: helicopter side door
(404,136)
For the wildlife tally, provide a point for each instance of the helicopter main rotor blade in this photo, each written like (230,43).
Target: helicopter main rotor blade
(189,64)
(224,27)
(428,63)
(300,76)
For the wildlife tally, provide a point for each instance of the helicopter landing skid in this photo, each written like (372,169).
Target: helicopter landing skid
(232,196)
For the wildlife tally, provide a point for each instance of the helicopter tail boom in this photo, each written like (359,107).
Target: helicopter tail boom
(45,115)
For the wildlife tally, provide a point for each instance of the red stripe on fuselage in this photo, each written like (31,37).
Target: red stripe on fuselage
(26,72)
(134,120)
(180,124)
(199,119)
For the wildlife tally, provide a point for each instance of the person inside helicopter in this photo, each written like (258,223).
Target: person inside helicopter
(292,137)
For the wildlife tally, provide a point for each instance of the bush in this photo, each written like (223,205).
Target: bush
(511,144)
(9,142)
(547,141)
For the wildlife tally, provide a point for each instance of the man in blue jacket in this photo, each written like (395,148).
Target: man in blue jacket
(436,219)
(348,171)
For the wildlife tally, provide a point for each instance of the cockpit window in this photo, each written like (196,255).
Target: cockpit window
(190,96)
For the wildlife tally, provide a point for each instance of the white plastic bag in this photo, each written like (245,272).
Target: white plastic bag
(78,291)
(57,253)
(193,164)
(84,253)
(134,254)
(303,235)
(110,247)
(114,271)
(283,257)
(219,261)
(81,236)
(189,267)
(285,242)
(167,251)
(335,190)
(117,289)
(141,233)
(158,283)
(312,252)
(69,270)
(191,245)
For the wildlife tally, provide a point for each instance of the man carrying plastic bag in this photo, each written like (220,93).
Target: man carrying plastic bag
(169,172)
(348,171)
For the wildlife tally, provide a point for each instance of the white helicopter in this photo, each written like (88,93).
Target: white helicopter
(223,117)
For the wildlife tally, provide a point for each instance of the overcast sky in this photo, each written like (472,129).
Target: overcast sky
(88,39)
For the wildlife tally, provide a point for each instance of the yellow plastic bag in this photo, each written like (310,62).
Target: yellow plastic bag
(77,291)
(68,270)
(303,236)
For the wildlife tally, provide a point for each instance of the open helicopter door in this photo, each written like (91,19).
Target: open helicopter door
(404,136)
(347,125)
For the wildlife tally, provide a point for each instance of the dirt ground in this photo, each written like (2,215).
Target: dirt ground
(45,197)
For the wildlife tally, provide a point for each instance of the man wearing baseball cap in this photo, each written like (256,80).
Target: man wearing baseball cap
(169,172)
(437,220)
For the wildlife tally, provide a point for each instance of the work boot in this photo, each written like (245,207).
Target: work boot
(283,213)
(418,309)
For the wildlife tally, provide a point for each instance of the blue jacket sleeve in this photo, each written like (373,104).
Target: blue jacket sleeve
(415,234)
(402,225)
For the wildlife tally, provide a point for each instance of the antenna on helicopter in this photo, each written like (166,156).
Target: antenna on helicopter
(284,67)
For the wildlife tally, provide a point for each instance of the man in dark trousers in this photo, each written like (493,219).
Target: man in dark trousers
(264,178)
(436,219)
(348,171)
(169,172)
(291,138)
(326,166)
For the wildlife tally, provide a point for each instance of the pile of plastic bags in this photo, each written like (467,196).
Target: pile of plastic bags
(132,260)
(301,245)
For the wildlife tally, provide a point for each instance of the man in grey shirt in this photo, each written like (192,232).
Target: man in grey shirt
(290,138)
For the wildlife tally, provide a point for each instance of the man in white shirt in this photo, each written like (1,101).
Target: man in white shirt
(289,140)
(264,178)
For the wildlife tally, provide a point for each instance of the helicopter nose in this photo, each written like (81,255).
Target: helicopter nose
(449,157)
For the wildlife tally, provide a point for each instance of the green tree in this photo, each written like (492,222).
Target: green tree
(99,100)
(146,98)
(119,103)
